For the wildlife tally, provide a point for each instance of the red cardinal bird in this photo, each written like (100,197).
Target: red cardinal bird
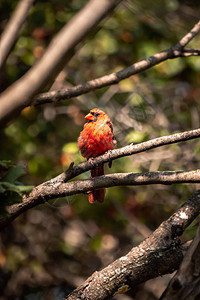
(95,139)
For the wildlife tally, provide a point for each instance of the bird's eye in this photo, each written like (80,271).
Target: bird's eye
(95,114)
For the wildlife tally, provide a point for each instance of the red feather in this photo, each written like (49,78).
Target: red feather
(95,139)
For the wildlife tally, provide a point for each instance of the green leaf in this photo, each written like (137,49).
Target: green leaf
(8,198)
(11,197)
(9,194)
(6,164)
(7,186)
(70,147)
(136,136)
(2,189)
(14,173)
(25,189)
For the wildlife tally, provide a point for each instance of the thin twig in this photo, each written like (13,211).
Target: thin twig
(189,52)
(129,150)
(190,35)
(113,78)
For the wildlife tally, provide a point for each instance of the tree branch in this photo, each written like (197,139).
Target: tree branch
(127,151)
(10,33)
(189,36)
(20,94)
(48,191)
(189,52)
(186,282)
(56,187)
(159,254)
(113,78)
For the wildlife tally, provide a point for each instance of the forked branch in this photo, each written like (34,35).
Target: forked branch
(113,78)
(57,187)
(159,254)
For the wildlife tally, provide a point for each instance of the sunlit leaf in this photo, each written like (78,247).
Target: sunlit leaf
(6,163)
(14,173)
(25,188)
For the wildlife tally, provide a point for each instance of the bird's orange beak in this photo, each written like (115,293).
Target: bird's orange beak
(89,117)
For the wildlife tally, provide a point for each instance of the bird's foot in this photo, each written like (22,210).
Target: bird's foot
(91,161)
(110,160)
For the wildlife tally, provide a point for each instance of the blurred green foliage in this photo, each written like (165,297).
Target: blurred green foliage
(51,248)
(11,190)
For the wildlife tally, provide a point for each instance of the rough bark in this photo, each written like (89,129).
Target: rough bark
(21,93)
(185,285)
(159,254)
(56,187)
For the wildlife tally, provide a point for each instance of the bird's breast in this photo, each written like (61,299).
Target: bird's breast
(95,139)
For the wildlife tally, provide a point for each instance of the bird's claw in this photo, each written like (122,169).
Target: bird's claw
(91,161)
(110,160)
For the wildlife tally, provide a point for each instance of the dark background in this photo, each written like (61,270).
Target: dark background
(51,249)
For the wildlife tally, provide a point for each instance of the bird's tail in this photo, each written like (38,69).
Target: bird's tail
(97,195)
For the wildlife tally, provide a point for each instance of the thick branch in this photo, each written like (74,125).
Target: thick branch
(10,33)
(113,78)
(186,282)
(159,254)
(19,95)
(53,188)
(48,191)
